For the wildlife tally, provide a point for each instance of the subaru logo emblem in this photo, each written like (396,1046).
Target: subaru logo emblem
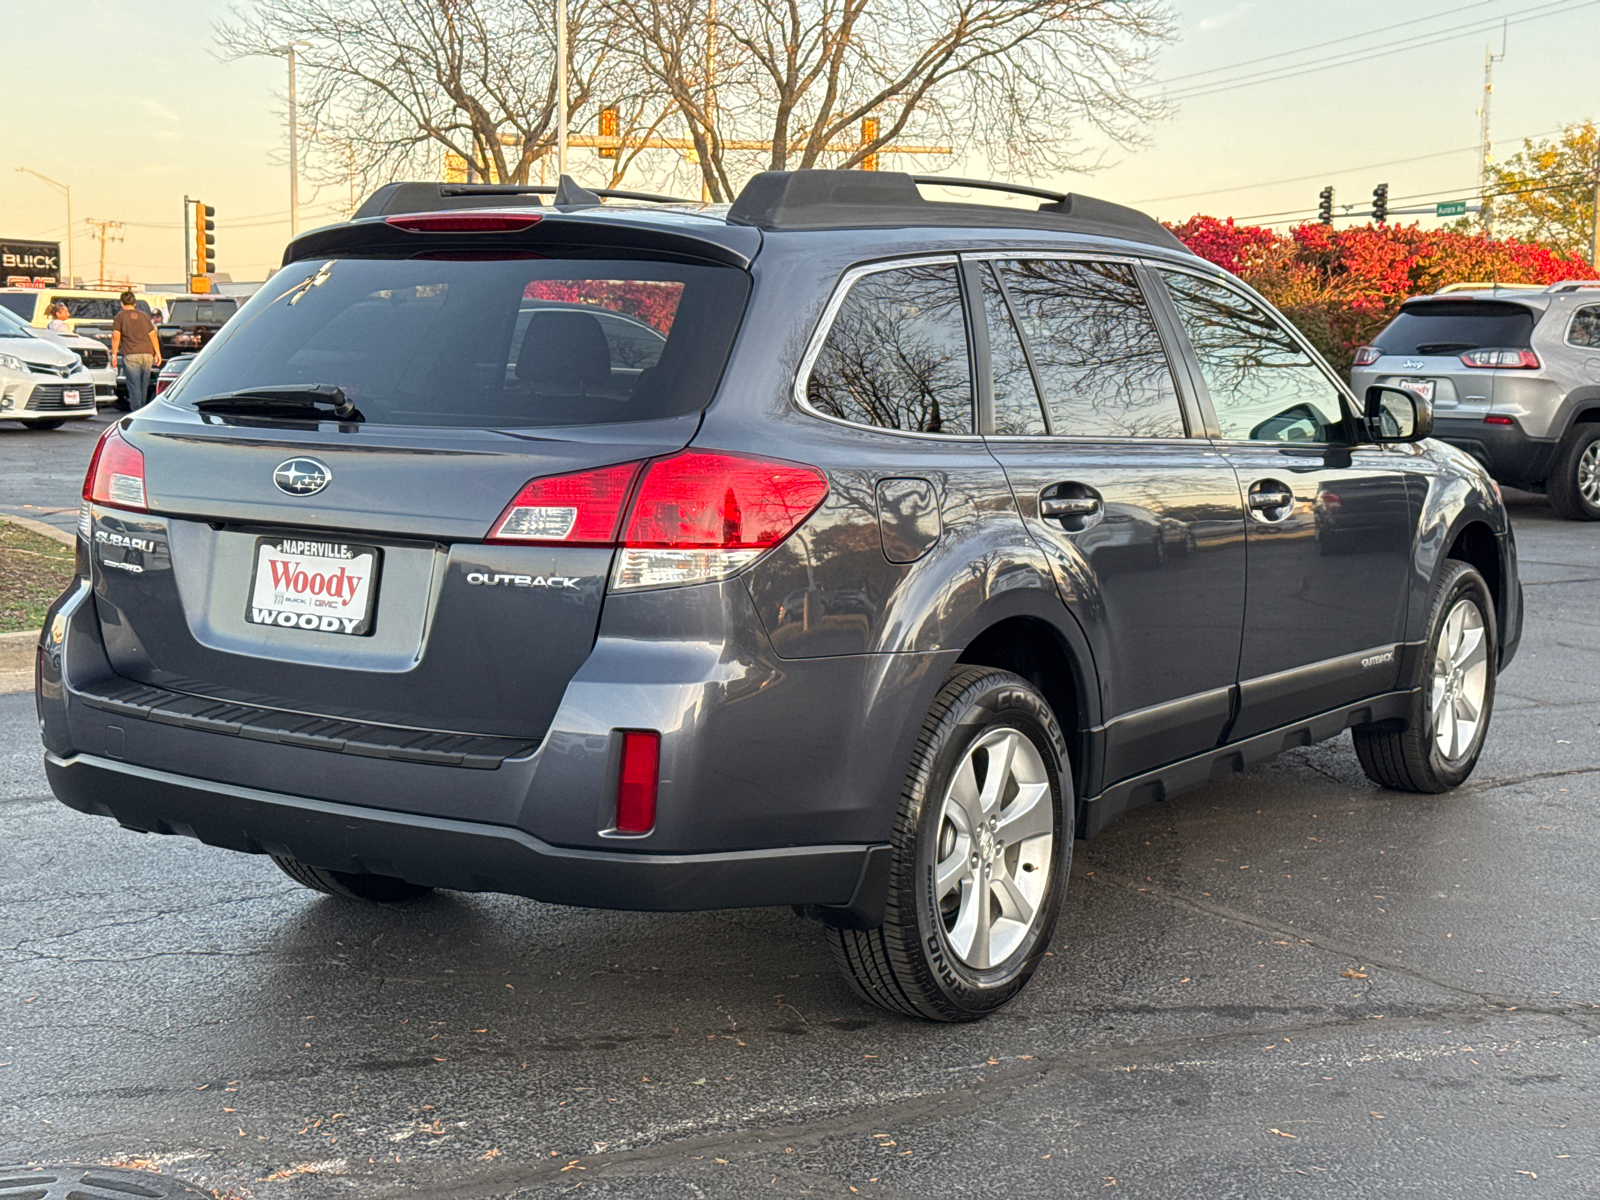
(302,476)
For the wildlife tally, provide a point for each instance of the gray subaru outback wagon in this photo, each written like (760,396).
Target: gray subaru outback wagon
(840,548)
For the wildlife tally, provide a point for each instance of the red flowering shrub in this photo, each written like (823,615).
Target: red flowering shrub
(1341,286)
(653,302)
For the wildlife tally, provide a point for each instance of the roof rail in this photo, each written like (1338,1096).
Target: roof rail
(1488,286)
(793,200)
(1575,285)
(435,197)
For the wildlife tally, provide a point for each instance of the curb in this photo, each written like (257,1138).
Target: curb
(43,530)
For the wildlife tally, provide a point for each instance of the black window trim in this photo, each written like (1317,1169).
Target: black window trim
(825,326)
(1566,336)
(1189,410)
(1353,409)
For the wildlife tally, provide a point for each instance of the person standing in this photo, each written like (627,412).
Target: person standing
(58,319)
(131,332)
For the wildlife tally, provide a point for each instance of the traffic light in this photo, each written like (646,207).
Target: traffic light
(608,128)
(205,242)
(1380,203)
(1325,206)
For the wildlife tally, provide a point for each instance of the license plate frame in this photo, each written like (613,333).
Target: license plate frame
(311,606)
(1421,388)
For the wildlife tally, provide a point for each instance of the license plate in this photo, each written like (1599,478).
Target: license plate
(302,583)
(1422,388)
(72,397)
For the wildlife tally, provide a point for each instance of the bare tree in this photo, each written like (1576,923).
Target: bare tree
(788,83)
(410,80)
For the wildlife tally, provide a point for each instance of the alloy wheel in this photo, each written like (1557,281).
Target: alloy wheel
(993,857)
(1589,474)
(1460,679)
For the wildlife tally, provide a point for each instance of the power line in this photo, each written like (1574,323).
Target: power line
(1352,57)
(1396,162)
(1449,12)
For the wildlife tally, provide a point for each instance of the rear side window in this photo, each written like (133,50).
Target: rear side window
(1585,328)
(20,304)
(90,308)
(896,354)
(1100,360)
(488,343)
(201,312)
(1453,326)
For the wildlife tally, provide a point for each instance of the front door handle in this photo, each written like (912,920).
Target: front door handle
(1069,506)
(1270,499)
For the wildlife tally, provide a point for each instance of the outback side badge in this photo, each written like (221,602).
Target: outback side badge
(301,476)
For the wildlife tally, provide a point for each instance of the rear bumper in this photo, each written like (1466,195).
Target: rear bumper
(461,855)
(1511,456)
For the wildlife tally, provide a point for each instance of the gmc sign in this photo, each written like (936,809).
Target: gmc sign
(30,264)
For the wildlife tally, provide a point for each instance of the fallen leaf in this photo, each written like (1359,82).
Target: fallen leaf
(1281,1133)
(1352,973)
(699,1081)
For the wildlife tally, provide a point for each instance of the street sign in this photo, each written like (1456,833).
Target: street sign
(1450,208)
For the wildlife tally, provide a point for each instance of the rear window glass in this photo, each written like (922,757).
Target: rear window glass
(1452,326)
(485,343)
(93,308)
(201,312)
(20,304)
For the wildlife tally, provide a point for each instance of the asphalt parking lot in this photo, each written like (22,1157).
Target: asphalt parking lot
(1290,983)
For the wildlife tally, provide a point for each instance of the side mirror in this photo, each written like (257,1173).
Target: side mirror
(1397,415)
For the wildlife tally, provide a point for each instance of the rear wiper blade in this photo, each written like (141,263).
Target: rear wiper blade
(284,400)
(1445,347)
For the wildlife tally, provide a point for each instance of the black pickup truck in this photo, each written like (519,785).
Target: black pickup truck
(192,321)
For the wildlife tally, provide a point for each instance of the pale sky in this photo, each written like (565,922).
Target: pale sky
(126,101)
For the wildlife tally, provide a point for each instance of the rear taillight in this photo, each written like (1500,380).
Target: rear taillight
(116,473)
(1368,355)
(1515,360)
(1494,419)
(638,778)
(460,223)
(695,516)
(568,510)
(163,382)
(700,516)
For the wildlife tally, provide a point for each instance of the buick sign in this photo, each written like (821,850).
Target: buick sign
(302,476)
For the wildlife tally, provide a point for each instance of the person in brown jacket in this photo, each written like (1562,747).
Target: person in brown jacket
(131,332)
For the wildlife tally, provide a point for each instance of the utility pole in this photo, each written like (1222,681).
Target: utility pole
(103,232)
(1489,59)
(188,261)
(67,190)
(711,94)
(288,49)
(561,88)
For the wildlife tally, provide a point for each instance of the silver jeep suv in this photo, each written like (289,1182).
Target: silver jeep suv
(1514,376)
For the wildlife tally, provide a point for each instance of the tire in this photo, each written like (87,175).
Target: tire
(1458,670)
(43,424)
(1574,482)
(385,889)
(948,957)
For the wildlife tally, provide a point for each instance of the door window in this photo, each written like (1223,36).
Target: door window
(1264,386)
(1100,361)
(896,354)
(1585,330)
(1016,400)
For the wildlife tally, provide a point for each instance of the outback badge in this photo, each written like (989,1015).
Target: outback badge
(301,476)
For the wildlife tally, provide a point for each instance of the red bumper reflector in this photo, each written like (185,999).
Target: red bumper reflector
(637,780)
(1493,420)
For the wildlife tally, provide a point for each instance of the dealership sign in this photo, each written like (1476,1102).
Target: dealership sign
(30,264)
